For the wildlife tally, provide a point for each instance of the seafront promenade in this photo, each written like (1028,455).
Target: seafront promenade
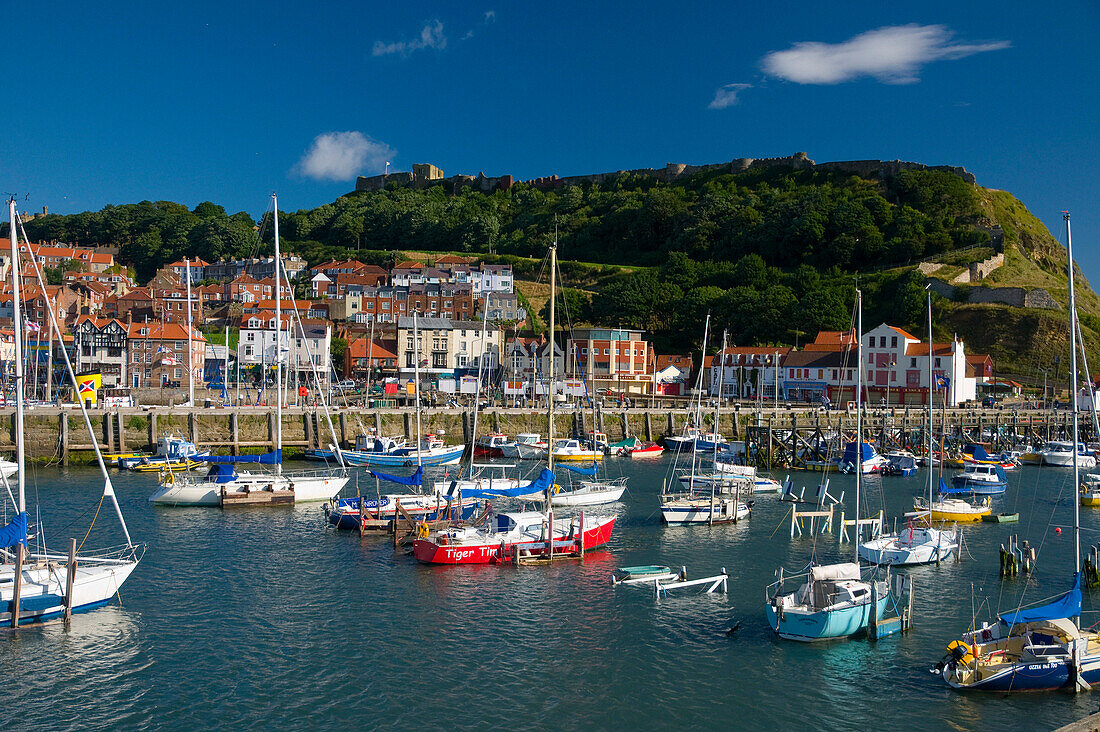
(54,433)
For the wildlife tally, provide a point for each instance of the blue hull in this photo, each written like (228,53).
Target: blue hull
(980,488)
(355,457)
(824,625)
(1028,677)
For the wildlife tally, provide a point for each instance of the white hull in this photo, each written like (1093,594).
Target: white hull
(526,452)
(698,511)
(42,589)
(186,492)
(1065,460)
(479,484)
(588,494)
(911,546)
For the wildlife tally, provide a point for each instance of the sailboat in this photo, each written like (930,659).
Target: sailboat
(39,585)
(834,600)
(223,485)
(1037,648)
(916,544)
(533,533)
(592,492)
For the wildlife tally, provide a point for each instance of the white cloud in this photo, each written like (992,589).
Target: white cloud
(431,36)
(893,55)
(726,96)
(343,155)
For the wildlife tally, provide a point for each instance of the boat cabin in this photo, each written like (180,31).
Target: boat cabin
(528,438)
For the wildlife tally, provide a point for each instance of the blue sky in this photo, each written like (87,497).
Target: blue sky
(115,103)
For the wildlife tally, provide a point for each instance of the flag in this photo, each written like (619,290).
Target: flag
(87,387)
(31,325)
(943,382)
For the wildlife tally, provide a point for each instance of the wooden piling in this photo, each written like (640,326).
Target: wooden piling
(70,578)
(193,426)
(63,436)
(307,428)
(153,429)
(648,427)
(343,428)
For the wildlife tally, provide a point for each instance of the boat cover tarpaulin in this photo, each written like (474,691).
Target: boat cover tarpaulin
(850,453)
(944,490)
(1066,606)
(846,571)
(538,485)
(414,479)
(977,452)
(589,470)
(268,458)
(15,532)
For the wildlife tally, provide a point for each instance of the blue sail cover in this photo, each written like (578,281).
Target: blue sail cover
(945,491)
(977,452)
(538,485)
(268,458)
(1066,606)
(581,469)
(15,532)
(850,453)
(414,479)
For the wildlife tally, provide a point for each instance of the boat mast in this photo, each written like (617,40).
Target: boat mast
(931,446)
(225,377)
(17,322)
(1073,396)
(416,385)
(550,368)
(859,411)
(190,348)
(278,345)
(699,403)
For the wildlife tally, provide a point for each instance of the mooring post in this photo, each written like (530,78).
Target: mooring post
(648,427)
(63,430)
(152,429)
(343,428)
(121,434)
(235,432)
(70,576)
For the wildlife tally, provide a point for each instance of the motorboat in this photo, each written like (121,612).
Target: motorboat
(648,450)
(683,442)
(392,452)
(710,442)
(173,453)
(869,462)
(1090,490)
(981,479)
(490,445)
(903,465)
(1060,454)
(509,535)
(570,450)
(526,446)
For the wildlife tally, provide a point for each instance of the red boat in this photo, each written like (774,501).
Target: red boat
(650,449)
(525,531)
(489,445)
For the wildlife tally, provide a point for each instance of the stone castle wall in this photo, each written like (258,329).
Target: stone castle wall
(1016,297)
(424,174)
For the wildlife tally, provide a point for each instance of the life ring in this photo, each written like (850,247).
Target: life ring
(170,478)
(961,651)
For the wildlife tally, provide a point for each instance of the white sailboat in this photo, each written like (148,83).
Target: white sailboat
(833,600)
(223,485)
(917,543)
(39,585)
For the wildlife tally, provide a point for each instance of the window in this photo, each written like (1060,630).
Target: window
(912,363)
(893,341)
(882,341)
(178,373)
(607,351)
(248,350)
(937,363)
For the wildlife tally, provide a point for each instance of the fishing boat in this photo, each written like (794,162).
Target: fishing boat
(491,445)
(37,585)
(173,453)
(982,479)
(832,600)
(683,441)
(903,465)
(1090,490)
(710,441)
(374,451)
(527,446)
(648,450)
(1036,648)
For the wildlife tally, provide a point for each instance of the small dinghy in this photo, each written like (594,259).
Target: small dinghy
(1001,518)
(646,573)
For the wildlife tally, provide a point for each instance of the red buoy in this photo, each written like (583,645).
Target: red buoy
(1058,530)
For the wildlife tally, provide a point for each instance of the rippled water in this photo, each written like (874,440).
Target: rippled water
(255,618)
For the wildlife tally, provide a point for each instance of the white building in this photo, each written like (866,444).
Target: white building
(446,346)
(303,349)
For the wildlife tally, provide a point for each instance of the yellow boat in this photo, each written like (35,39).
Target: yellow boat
(571,451)
(114,457)
(1090,490)
(176,466)
(953,509)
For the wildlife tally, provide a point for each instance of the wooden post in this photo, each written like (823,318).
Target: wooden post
(108,430)
(271,429)
(648,427)
(378,423)
(343,428)
(70,577)
(152,430)
(408,427)
(496,421)
(671,424)
(193,426)
(63,429)
(623,424)
(307,428)
(18,587)
(235,431)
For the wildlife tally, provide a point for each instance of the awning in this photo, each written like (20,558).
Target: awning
(1066,606)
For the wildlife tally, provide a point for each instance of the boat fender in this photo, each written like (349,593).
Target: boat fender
(961,651)
(422,530)
(170,479)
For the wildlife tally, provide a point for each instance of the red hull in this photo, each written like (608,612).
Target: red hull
(429,552)
(480,451)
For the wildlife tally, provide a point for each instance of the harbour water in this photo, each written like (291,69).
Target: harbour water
(268,618)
